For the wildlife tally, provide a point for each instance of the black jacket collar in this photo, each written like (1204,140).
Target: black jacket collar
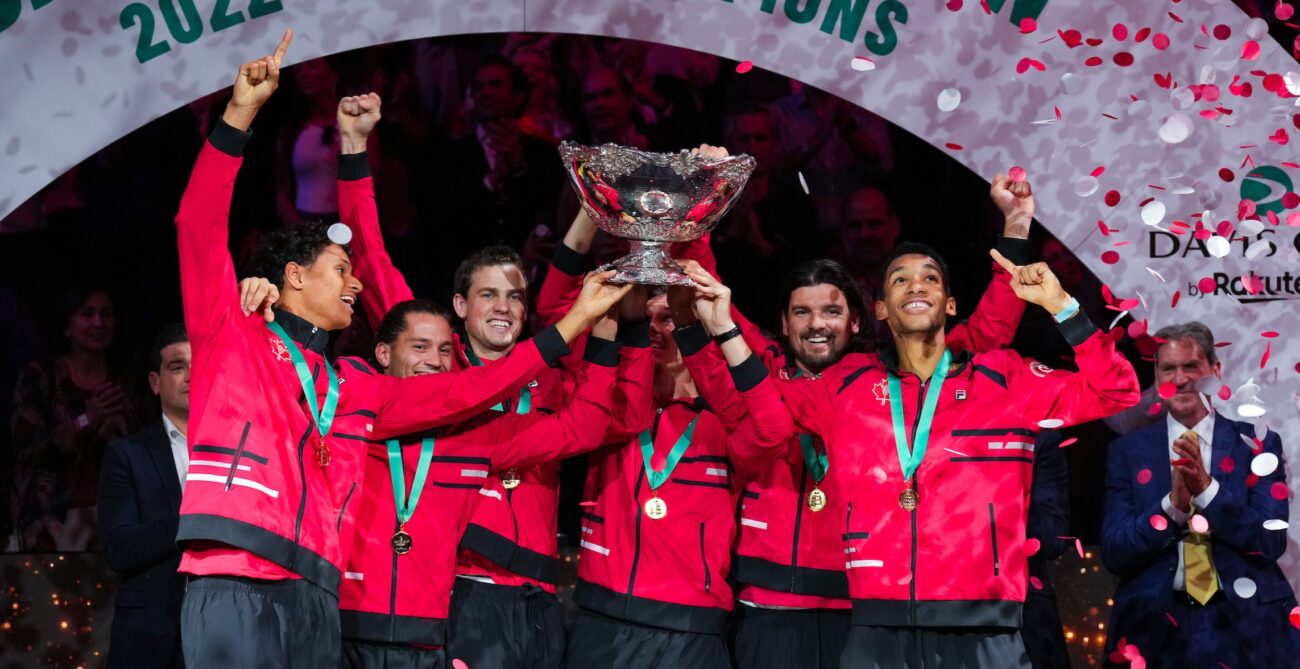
(307,335)
(889,358)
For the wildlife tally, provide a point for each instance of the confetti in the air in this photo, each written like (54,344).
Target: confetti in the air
(949,99)
(744,66)
(1050,423)
(340,234)
(1263,464)
(1199,524)
(1176,129)
(1159,522)
(1276,524)
(1153,212)
(1244,587)
(1144,476)
(862,64)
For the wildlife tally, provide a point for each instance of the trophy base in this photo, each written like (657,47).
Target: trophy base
(648,264)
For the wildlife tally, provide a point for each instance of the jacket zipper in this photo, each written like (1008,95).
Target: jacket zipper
(339,523)
(392,595)
(798,519)
(993,533)
(636,497)
(708,578)
(302,503)
(239,454)
(916,485)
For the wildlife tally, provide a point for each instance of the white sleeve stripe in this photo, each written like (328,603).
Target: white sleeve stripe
(214,478)
(757,524)
(223,465)
(593,547)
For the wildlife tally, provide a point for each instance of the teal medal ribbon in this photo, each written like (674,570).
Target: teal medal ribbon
(510,480)
(324,417)
(909,458)
(406,506)
(655,507)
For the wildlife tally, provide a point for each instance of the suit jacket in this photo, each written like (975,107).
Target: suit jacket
(1145,558)
(139,509)
(1049,523)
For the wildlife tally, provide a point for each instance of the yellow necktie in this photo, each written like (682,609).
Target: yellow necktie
(1199,578)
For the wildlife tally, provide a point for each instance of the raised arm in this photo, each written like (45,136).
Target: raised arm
(209,295)
(385,285)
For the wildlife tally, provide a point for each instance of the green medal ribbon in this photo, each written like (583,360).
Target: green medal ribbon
(525,403)
(909,459)
(657,477)
(816,463)
(405,506)
(323,418)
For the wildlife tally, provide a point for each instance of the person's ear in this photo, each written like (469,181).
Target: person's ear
(153,382)
(293,276)
(881,312)
(951,309)
(785,326)
(855,324)
(460,306)
(383,354)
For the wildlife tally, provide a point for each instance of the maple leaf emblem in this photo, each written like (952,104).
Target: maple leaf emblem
(881,390)
(278,348)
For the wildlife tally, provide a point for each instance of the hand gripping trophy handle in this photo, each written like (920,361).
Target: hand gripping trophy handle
(653,199)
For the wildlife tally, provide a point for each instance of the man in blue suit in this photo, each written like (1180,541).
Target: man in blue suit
(1185,527)
(139,508)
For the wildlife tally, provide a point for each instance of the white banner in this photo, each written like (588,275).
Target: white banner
(1134,119)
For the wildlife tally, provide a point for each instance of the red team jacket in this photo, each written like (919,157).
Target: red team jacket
(257,504)
(787,555)
(391,598)
(959,559)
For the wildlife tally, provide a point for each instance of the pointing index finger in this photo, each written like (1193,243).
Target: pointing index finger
(283,47)
(1002,260)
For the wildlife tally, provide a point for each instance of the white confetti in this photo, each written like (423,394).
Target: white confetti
(1292,80)
(1250,227)
(1139,109)
(1153,213)
(1050,423)
(1071,83)
(1184,190)
(1208,385)
(1249,411)
(862,64)
(1118,318)
(1182,98)
(1247,391)
(1176,128)
(339,234)
(1256,28)
(804,183)
(1263,464)
(1156,274)
(1258,249)
(1244,587)
(1086,185)
(956,453)
(1276,524)
(1218,246)
(949,99)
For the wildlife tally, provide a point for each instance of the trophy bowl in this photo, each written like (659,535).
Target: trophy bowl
(653,199)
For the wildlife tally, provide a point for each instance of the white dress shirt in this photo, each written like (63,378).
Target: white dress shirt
(1205,434)
(180,449)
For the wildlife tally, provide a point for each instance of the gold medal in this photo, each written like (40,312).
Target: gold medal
(401,541)
(511,480)
(322,453)
(908,499)
(656,508)
(816,499)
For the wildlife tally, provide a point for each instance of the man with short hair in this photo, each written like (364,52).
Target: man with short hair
(609,107)
(933,540)
(1195,521)
(266,517)
(139,507)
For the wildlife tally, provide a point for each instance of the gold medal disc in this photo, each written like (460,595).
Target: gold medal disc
(908,499)
(816,499)
(401,542)
(511,480)
(656,508)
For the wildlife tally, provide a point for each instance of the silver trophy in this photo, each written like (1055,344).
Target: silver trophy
(653,199)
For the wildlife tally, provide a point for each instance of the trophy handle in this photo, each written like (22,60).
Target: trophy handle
(648,263)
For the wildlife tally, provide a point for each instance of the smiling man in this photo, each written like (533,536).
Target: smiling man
(931,451)
(1198,463)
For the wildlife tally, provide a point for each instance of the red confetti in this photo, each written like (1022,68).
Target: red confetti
(1278,490)
(1036,582)
(1225,393)
(1099,171)
(1072,38)
(1210,92)
(954,146)
(1206,285)
(744,66)
(1123,59)
(1093,61)
(1159,523)
(1128,304)
(1174,302)
(1293,219)
(1119,32)
(1110,257)
(1137,328)
(1017,173)
(1269,334)
(1078,546)
(1170,616)
(1072,440)
(1263,361)
(1112,198)
(1144,476)
(1105,230)
(1253,284)
(1227,175)
(1283,11)
(658,462)
(1295,617)
(954,5)
(1175,17)
(1093,41)
(1032,545)
(459,664)
(1164,80)
(1250,50)
(1251,480)
(1167,390)
(1274,83)
(1290,200)
(1222,32)
(1160,41)
(1028,25)
(1227,464)
(1058,112)
(1141,35)
(1026,63)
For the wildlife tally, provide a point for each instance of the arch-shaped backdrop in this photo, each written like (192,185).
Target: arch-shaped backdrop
(1181,103)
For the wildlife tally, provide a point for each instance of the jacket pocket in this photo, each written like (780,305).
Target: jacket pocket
(993,535)
(704,560)
(343,509)
(239,454)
